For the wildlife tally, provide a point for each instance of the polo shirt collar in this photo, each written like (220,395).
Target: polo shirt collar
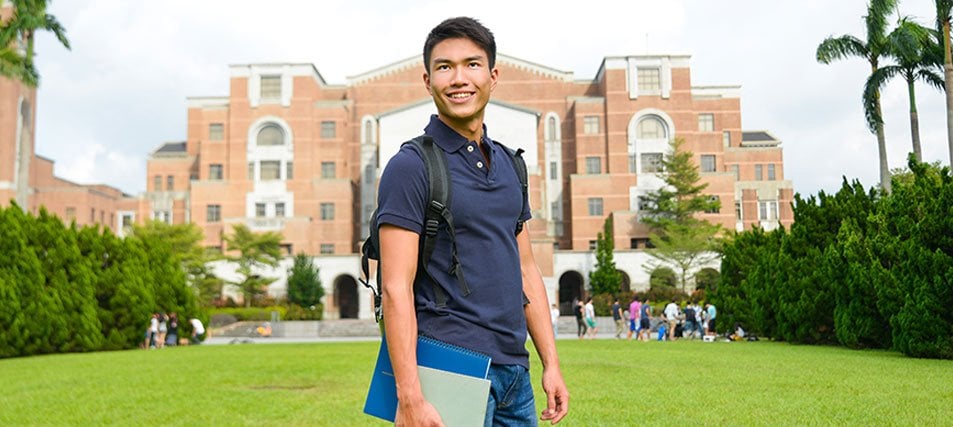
(447,138)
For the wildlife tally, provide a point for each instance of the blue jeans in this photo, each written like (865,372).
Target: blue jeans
(511,400)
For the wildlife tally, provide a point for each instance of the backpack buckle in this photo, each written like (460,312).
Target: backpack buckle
(431,227)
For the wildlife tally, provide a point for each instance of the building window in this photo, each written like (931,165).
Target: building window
(213,213)
(716,209)
(595,206)
(708,162)
(216,132)
(327,248)
(633,163)
(289,170)
(280,210)
(590,125)
(650,127)
(738,214)
(270,170)
(251,171)
(593,165)
(771,175)
(170,183)
(368,132)
(270,134)
(215,172)
(758,173)
(157,183)
(592,245)
(259,210)
(553,171)
(551,129)
(328,129)
(706,122)
(328,170)
(736,171)
(327,211)
(768,210)
(649,79)
(726,138)
(271,88)
(70,213)
(651,162)
(554,210)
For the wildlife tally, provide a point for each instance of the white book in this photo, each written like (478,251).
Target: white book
(459,399)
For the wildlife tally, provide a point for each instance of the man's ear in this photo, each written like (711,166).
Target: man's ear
(426,78)
(494,77)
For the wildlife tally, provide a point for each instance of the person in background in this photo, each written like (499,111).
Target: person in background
(617,318)
(645,327)
(591,318)
(172,337)
(198,331)
(671,316)
(578,310)
(635,317)
(711,313)
(554,316)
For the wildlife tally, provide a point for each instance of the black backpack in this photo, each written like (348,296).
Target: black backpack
(436,212)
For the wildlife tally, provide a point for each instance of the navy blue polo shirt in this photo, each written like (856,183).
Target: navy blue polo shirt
(487,203)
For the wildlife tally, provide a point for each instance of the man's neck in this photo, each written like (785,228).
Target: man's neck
(472,130)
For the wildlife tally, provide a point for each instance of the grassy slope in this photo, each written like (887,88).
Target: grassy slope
(611,383)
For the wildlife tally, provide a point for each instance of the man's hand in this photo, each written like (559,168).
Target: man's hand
(557,396)
(417,413)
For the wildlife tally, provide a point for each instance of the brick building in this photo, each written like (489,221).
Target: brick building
(287,151)
(28,179)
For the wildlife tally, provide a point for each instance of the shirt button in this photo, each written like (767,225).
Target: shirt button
(470,148)
(480,165)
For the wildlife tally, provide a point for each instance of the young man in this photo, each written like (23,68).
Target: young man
(635,317)
(617,318)
(489,314)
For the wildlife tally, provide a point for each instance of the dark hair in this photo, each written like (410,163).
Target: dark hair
(461,28)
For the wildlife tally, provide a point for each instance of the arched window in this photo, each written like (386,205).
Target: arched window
(651,127)
(271,134)
(551,129)
(368,132)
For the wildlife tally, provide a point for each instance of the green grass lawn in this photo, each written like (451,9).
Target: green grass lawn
(611,383)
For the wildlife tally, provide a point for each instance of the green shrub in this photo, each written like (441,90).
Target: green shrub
(297,312)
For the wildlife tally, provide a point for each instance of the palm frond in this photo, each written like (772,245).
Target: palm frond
(834,48)
(930,77)
(871,98)
(876,21)
(53,26)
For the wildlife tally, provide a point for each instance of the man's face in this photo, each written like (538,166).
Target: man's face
(460,81)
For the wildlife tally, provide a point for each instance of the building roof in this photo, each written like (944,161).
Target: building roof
(758,138)
(171,147)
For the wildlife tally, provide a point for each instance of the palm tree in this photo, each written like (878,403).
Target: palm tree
(872,49)
(29,16)
(909,45)
(944,14)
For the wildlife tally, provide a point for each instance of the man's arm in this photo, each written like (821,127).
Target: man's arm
(398,267)
(537,321)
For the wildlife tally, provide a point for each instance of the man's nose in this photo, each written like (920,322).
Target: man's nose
(457,76)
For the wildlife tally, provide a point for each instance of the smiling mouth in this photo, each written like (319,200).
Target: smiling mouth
(460,96)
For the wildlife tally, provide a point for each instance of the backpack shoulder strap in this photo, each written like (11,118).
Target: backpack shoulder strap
(519,165)
(437,211)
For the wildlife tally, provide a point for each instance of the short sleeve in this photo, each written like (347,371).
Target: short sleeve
(402,192)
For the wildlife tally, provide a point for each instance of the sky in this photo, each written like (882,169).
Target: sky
(121,91)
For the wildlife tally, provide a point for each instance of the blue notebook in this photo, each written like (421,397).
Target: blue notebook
(382,395)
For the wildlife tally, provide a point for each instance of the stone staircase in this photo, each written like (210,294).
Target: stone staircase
(303,329)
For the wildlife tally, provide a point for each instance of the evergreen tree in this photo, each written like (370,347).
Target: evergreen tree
(185,242)
(681,240)
(605,278)
(21,287)
(256,251)
(304,284)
